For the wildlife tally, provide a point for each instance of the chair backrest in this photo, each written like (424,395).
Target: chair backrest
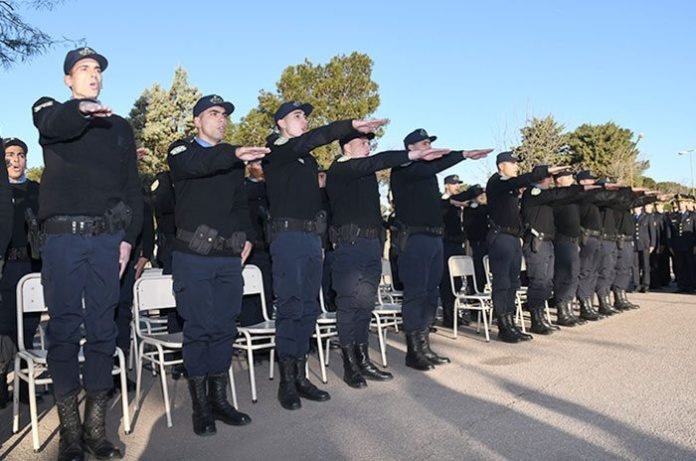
(487,272)
(460,266)
(30,298)
(253,285)
(387,276)
(151,271)
(155,292)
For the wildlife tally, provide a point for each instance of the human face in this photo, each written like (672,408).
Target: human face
(420,145)
(85,79)
(649,208)
(293,125)
(211,124)
(509,169)
(357,148)
(545,183)
(565,181)
(16,160)
(587,182)
(452,188)
(660,208)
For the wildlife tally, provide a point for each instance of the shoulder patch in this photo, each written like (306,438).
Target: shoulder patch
(535,191)
(343,158)
(154,185)
(177,150)
(43,105)
(280,141)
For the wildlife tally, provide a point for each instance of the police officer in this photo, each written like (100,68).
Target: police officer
(417,207)
(476,229)
(213,239)
(19,262)
(504,248)
(6,225)
(357,233)
(162,196)
(297,223)
(538,203)
(644,240)
(681,244)
(90,206)
(659,260)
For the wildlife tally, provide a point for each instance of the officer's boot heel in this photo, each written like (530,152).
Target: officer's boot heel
(415,355)
(94,436)
(70,447)
(305,388)
(203,421)
(287,390)
(351,372)
(222,410)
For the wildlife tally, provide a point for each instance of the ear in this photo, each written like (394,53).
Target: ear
(282,124)
(68,81)
(197,122)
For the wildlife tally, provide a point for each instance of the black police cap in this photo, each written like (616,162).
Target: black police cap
(417,135)
(355,135)
(476,190)
(16,142)
(291,106)
(453,179)
(563,173)
(212,100)
(585,174)
(506,156)
(83,53)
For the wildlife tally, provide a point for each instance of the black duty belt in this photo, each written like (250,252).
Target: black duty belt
(75,225)
(17,254)
(425,230)
(219,243)
(591,233)
(355,231)
(293,225)
(610,237)
(567,238)
(624,238)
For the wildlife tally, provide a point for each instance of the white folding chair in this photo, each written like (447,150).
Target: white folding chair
(30,299)
(388,293)
(258,336)
(461,267)
(324,330)
(154,294)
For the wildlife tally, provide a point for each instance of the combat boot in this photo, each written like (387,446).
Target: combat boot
(505,331)
(415,355)
(351,372)
(605,306)
(94,434)
(305,388)
(287,390)
(222,410)
(563,315)
(538,325)
(367,367)
(203,420)
(587,311)
(70,447)
(432,357)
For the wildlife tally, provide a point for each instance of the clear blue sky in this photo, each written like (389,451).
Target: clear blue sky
(469,72)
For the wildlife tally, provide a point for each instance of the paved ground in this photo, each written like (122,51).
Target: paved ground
(622,388)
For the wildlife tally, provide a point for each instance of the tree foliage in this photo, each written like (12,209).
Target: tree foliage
(20,41)
(34,173)
(341,89)
(543,143)
(159,117)
(671,187)
(607,150)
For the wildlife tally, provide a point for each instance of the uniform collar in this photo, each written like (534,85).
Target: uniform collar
(22,179)
(202,142)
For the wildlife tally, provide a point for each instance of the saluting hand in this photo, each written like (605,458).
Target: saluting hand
(369,126)
(94,109)
(251,153)
(427,154)
(124,251)
(591,187)
(558,169)
(476,153)
(246,251)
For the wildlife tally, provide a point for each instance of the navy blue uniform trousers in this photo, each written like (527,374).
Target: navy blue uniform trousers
(505,258)
(77,266)
(607,267)
(539,273)
(566,269)
(208,292)
(297,268)
(420,268)
(590,259)
(356,271)
(624,263)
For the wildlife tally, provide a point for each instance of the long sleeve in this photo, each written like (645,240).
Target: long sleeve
(292,149)
(359,167)
(6,210)
(417,170)
(189,160)
(58,122)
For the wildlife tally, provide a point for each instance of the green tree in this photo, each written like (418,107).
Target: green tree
(20,41)
(341,89)
(671,187)
(160,117)
(543,143)
(607,150)
(34,173)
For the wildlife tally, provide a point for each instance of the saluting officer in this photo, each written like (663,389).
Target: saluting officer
(476,230)
(504,249)
(538,202)
(417,207)
(357,233)
(91,210)
(213,239)
(297,223)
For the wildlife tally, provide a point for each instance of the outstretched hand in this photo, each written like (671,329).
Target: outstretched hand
(427,154)
(587,187)
(369,126)
(558,169)
(476,153)
(251,153)
(94,109)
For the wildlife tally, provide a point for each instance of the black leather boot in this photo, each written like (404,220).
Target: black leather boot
(518,331)
(415,355)
(94,439)
(222,410)
(4,391)
(203,421)
(571,313)
(351,372)
(368,369)
(287,391)
(563,315)
(587,311)
(434,358)
(538,325)
(547,323)
(605,306)
(70,448)
(625,301)
(505,331)
(619,303)
(305,388)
